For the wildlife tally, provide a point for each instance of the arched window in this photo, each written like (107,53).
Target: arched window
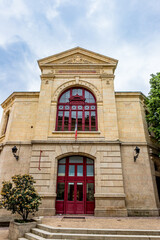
(76,105)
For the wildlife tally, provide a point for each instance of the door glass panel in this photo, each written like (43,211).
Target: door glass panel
(61,170)
(76,159)
(71,170)
(80,170)
(60,191)
(70,191)
(90,171)
(79,191)
(90,192)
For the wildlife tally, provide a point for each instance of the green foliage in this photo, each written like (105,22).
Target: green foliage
(20,197)
(153,106)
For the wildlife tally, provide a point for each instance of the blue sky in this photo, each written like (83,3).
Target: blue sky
(32,29)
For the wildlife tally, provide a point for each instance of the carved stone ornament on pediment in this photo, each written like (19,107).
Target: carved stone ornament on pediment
(77,59)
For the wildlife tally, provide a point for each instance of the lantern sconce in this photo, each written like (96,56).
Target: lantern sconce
(14,150)
(136,153)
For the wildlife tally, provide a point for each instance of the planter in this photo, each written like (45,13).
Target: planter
(17,230)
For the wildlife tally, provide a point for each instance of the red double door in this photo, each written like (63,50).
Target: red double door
(75,186)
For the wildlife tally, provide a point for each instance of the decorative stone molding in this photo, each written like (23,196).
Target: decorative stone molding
(77,59)
(105,75)
(80,83)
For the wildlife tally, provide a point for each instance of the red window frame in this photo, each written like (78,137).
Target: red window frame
(74,109)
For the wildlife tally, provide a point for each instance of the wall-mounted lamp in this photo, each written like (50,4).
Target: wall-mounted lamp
(136,153)
(14,150)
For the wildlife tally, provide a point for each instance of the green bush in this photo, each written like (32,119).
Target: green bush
(20,196)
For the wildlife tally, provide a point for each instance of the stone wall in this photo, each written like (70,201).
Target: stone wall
(109,186)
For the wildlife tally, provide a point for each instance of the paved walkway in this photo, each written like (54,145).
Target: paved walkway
(3,233)
(104,223)
(147,223)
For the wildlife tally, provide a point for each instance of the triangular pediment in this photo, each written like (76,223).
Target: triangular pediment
(77,56)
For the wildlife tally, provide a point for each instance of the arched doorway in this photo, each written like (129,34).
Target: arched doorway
(75,186)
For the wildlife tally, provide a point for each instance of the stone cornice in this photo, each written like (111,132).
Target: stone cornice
(77,50)
(130,94)
(19,95)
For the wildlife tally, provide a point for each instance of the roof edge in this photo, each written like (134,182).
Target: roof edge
(131,93)
(19,94)
(78,48)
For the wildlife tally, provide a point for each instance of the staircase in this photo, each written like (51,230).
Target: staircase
(43,232)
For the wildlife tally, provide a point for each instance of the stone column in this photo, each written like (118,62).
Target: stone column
(44,107)
(109,108)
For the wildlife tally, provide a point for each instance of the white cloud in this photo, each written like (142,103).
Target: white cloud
(102,26)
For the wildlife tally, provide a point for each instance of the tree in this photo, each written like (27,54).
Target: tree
(21,196)
(153,106)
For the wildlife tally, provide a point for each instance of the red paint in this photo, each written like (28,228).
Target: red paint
(76,131)
(76,202)
(40,159)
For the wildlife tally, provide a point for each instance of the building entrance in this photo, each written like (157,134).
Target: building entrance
(75,186)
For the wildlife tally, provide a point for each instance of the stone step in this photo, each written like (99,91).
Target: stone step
(98,231)
(49,235)
(31,236)
(22,238)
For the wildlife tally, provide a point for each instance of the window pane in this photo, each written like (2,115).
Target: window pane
(60,191)
(90,192)
(77,91)
(76,159)
(71,170)
(86,107)
(73,120)
(80,170)
(93,107)
(89,98)
(66,107)
(90,171)
(79,120)
(60,118)
(61,107)
(89,161)
(86,121)
(79,191)
(93,118)
(79,107)
(74,107)
(65,97)
(62,160)
(70,191)
(61,170)
(66,120)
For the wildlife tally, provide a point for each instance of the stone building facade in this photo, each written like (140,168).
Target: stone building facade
(94,173)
